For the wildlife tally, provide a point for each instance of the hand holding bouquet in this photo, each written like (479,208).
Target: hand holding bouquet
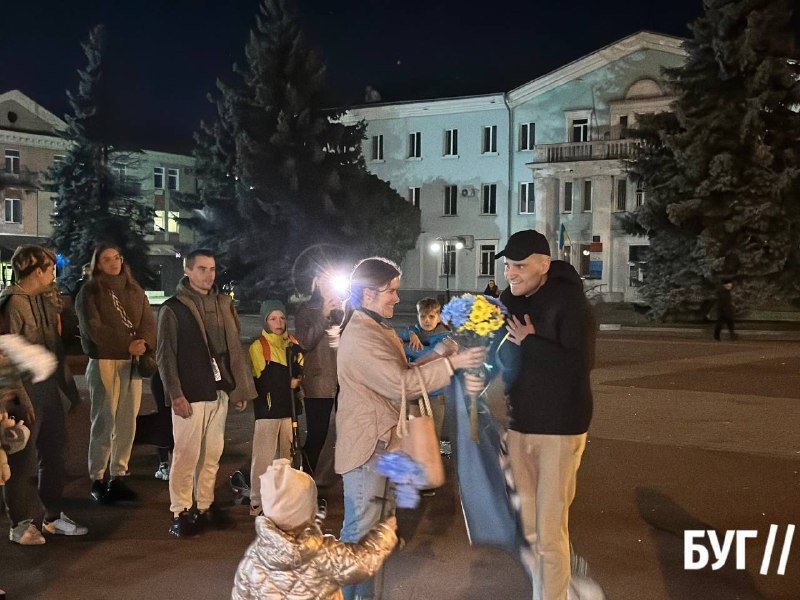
(475,319)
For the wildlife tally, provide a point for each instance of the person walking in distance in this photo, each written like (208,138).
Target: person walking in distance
(725,312)
(204,367)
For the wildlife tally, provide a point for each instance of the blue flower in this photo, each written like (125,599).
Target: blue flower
(406,474)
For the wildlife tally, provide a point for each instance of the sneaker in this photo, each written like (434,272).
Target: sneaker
(163,471)
(99,492)
(64,526)
(322,509)
(118,491)
(255,510)
(26,534)
(184,525)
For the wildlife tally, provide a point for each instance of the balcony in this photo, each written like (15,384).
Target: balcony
(582,151)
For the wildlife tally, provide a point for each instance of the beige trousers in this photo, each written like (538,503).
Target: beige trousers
(115,398)
(272,438)
(545,468)
(199,441)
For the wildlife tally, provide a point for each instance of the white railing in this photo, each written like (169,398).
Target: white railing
(578,151)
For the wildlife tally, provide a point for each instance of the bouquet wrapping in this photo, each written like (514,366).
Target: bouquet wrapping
(475,318)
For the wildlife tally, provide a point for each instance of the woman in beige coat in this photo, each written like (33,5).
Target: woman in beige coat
(372,370)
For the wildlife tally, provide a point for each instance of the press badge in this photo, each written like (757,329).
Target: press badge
(215,369)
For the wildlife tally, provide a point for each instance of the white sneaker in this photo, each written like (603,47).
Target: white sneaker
(163,471)
(255,510)
(26,534)
(64,526)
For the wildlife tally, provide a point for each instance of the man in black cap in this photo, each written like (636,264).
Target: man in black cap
(549,395)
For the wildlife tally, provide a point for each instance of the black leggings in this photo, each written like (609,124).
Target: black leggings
(318,415)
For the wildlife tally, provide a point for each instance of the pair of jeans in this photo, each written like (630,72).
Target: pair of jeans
(366,501)
(45,452)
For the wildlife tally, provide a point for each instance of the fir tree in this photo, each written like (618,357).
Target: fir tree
(726,203)
(276,162)
(92,204)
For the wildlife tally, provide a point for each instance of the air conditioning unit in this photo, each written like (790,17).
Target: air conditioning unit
(159,191)
(468,241)
(468,192)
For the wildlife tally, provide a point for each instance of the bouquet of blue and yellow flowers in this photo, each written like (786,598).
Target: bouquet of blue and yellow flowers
(475,319)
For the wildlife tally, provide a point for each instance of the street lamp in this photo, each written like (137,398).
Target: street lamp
(447,247)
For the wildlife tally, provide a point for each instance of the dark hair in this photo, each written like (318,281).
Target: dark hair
(188,260)
(26,259)
(374,273)
(428,304)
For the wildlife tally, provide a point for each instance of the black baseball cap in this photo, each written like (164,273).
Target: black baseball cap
(524,243)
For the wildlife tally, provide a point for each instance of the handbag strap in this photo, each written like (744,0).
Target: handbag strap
(424,402)
(402,421)
(121,310)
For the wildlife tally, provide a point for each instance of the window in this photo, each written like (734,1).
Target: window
(119,172)
(377,147)
(415,145)
(172,179)
(158,178)
(622,194)
(490,139)
(451,142)
(527,136)
(526,200)
(587,195)
(489,199)
(449,258)
(12,161)
(487,260)
(166,221)
(567,196)
(580,130)
(414,195)
(13,212)
(623,127)
(639,196)
(58,158)
(451,200)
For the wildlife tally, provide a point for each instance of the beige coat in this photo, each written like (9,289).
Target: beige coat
(371,366)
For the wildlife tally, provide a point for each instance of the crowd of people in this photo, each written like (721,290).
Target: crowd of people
(345,366)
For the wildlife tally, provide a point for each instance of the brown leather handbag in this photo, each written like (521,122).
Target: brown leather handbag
(417,436)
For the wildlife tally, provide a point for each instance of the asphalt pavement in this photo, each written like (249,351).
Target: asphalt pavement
(688,434)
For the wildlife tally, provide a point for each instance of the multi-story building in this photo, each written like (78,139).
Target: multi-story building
(550,155)
(30,143)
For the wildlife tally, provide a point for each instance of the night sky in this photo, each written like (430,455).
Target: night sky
(165,55)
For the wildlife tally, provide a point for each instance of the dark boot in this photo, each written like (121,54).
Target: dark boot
(119,492)
(99,492)
(184,525)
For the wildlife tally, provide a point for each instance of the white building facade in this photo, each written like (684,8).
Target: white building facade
(550,155)
(30,144)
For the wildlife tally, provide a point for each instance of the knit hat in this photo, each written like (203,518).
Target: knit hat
(288,496)
(268,306)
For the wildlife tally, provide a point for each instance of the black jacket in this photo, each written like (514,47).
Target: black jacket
(547,376)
